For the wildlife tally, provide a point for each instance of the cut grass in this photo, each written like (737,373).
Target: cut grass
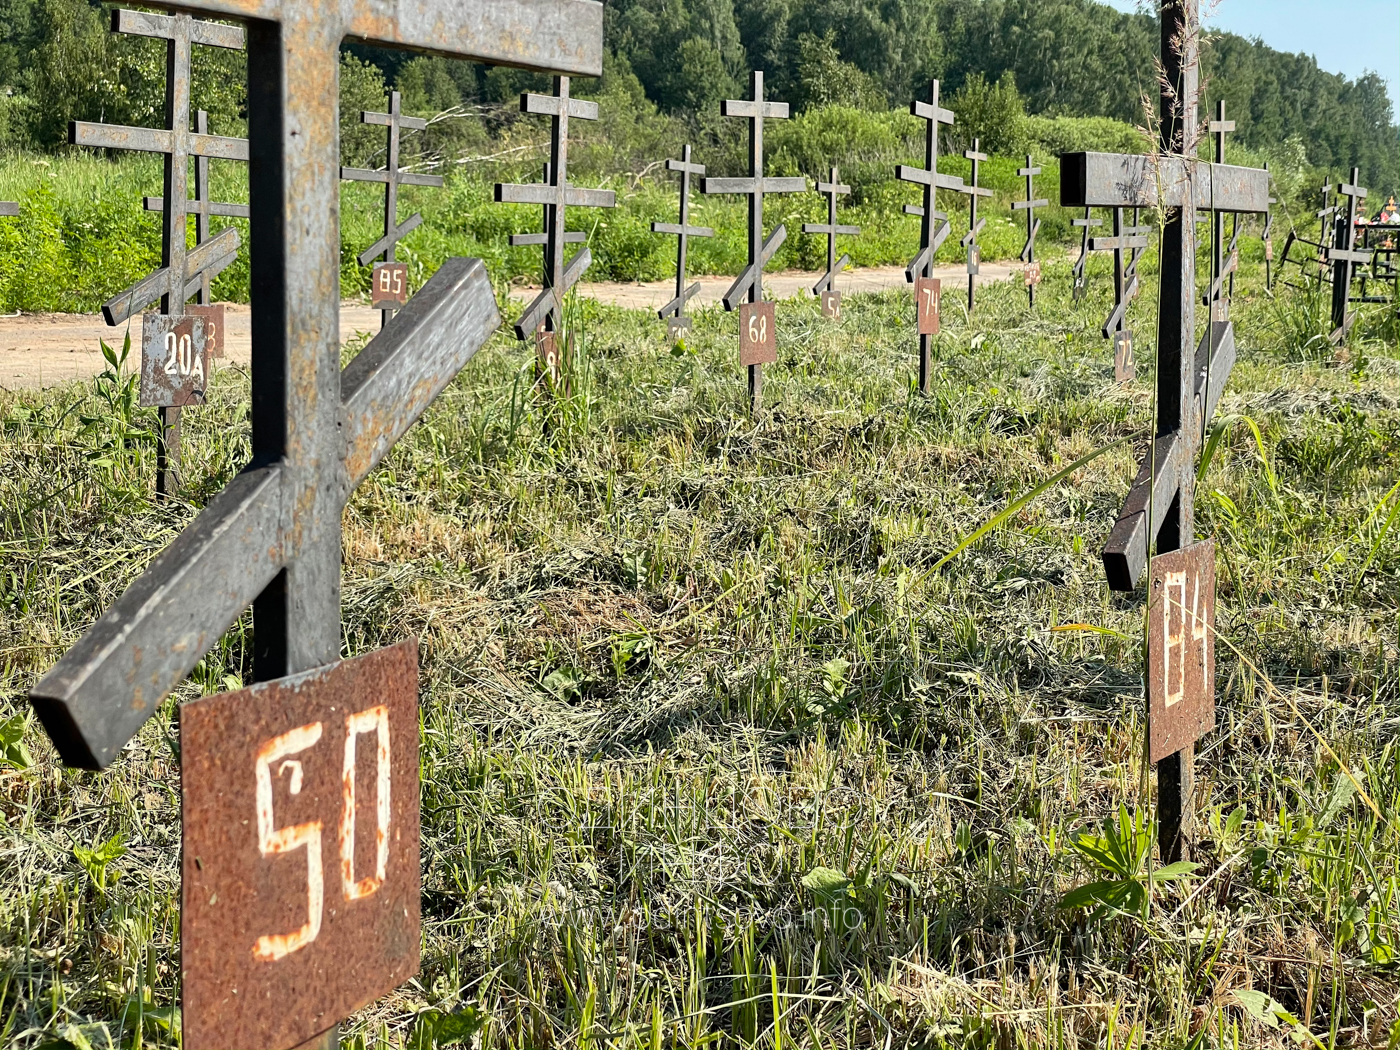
(710,756)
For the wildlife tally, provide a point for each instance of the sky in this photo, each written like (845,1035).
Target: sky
(1350,37)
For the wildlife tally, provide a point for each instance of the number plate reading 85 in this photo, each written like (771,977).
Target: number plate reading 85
(389,289)
(175,361)
(757,342)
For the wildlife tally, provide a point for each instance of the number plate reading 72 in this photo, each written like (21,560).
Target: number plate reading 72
(757,344)
(300,850)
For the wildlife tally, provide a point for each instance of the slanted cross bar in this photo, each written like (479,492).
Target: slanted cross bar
(974,224)
(1160,508)
(1029,205)
(1126,244)
(749,284)
(1344,256)
(933,229)
(826,286)
(390,283)
(272,538)
(1081,283)
(1221,267)
(555,194)
(182,272)
(675,309)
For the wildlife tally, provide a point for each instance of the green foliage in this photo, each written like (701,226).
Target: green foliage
(990,113)
(823,79)
(97,861)
(14,751)
(1122,853)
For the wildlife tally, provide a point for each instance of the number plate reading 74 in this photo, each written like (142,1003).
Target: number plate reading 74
(926,292)
(300,850)
(389,288)
(757,345)
(175,361)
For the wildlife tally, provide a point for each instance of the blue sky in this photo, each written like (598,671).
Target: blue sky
(1350,37)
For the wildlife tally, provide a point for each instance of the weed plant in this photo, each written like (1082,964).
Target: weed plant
(719,746)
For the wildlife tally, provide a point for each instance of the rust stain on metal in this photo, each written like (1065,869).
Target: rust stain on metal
(213,326)
(926,293)
(389,286)
(757,342)
(175,361)
(1124,365)
(1181,648)
(300,850)
(831,305)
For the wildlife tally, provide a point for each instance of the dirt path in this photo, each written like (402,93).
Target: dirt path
(39,350)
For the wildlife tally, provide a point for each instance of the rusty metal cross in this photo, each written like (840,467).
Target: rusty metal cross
(1160,507)
(392,176)
(1222,267)
(1081,283)
(1127,243)
(1344,256)
(832,189)
(675,309)
(1029,205)
(974,224)
(555,194)
(934,228)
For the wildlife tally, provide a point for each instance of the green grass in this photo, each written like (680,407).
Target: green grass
(710,757)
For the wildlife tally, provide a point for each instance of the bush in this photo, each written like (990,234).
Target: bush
(1057,135)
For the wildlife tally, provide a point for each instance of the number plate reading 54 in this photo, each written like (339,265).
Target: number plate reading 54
(300,850)
(390,286)
(757,345)
(175,361)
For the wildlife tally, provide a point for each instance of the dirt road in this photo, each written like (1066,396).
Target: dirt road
(39,350)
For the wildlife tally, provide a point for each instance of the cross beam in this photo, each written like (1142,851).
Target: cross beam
(1344,257)
(1081,281)
(683,231)
(832,189)
(934,228)
(1029,205)
(555,195)
(974,224)
(1127,243)
(750,282)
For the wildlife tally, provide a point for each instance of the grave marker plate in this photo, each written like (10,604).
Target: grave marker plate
(175,361)
(389,286)
(300,850)
(926,293)
(756,343)
(1181,648)
(1124,366)
(831,305)
(213,326)
(1032,274)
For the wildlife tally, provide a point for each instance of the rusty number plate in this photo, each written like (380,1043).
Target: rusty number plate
(1269,250)
(926,293)
(831,305)
(389,288)
(1032,274)
(300,850)
(213,326)
(1124,367)
(1181,648)
(675,326)
(547,364)
(175,361)
(757,345)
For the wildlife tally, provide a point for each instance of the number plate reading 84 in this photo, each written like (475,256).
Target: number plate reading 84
(175,361)
(300,850)
(757,342)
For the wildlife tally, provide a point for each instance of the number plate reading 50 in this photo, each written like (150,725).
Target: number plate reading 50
(300,851)
(175,361)
(390,286)
(757,342)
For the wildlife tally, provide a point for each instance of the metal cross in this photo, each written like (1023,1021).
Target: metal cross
(1266,235)
(1160,506)
(826,286)
(683,231)
(750,282)
(392,177)
(1344,256)
(555,194)
(1029,205)
(1081,284)
(272,537)
(974,224)
(934,228)
(182,272)
(1127,243)
(1221,266)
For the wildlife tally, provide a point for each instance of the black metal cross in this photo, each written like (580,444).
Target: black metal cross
(934,228)
(1161,504)
(182,272)
(826,286)
(750,282)
(1221,266)
(1081,283)
(272,537)
(675,309)
(1029,205)
(1126,244)
(1344,257)
(1267,236)
(974,224)
(555,194)
(392,177)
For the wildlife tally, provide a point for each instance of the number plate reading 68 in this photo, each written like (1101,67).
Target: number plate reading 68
(175,361)
(757,345)
(389,288)
(926,292)
(300,850)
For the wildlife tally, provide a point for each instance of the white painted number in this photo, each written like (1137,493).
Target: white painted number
(180,359)
(273,840)
(1189,619)
(391,281)
(758,328)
